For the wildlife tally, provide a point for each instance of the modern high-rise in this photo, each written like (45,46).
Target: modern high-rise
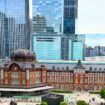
(72,47)
(51,10)
(62,16)
(70,12)
(15,25)
(39,24)
(94,51)
(47,46)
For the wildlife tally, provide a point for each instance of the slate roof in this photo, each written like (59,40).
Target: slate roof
(23,54)
(79,65)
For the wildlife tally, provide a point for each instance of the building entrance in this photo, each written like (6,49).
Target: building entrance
(79,89)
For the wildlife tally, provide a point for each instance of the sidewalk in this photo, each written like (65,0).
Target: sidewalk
(6,101)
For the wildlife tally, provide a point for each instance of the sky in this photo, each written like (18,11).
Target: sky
(95,40)
(91,16)
(91,21)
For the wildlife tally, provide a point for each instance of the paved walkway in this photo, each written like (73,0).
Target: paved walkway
(92,99)
(6,101)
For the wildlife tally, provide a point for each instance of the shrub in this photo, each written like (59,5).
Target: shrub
(81,102)
(58,91)
(102,93)
(44,103)
(94,92)
(63,103)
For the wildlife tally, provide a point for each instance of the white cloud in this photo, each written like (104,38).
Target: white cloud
(91,16)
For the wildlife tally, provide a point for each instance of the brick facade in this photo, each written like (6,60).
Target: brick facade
(22,71)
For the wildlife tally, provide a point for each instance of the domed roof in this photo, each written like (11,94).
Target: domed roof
(23,54)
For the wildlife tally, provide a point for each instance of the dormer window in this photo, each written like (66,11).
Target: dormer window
(67,68)
(100,68)
(53,67)
(33,65)
(95,68)
(90,68)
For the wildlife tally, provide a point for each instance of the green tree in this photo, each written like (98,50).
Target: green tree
(44,103)
(81,102)
(102,93)
(63,103)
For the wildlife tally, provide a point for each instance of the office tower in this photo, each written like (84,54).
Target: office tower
(70,10)
(72,47)
(2,17)
(47,46)
(39,24)
(51,10)
(94,51)
(50,29)
(89,51)
(61,15)
(15,21)
(78,50)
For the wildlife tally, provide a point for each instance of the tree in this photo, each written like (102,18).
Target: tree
(102,93)
(63,103)
(13,103)
(44,103)
(81,102)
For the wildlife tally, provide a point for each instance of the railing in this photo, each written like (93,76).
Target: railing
(23,87)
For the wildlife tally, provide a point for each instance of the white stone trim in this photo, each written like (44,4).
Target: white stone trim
(2,74)
(26,90)
(27,74)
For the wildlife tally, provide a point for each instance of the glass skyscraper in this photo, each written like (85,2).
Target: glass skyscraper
(51,10)
(70,12)
(46,46)
(61,16)
(78,50)
(15,25)
(39,24)
(73,47)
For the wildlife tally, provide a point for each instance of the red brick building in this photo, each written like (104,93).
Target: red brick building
(20,75)
(77,79)
(23,74)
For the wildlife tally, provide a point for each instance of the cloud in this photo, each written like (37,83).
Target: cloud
(91,16)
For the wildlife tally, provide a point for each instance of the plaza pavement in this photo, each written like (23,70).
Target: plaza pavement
(68,97)
(6,101)
(74,97)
